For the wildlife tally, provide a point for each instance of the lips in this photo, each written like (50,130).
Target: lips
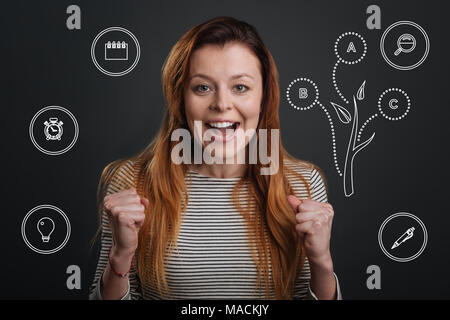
(222,124)
(223,130)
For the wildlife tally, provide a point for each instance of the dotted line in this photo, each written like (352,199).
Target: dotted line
(333,137)
(289,89)
(365,124)
(350,34)
(407,108)
(333,75)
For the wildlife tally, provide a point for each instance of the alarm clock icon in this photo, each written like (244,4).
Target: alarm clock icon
(53,129)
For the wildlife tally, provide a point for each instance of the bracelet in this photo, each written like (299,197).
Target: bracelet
(122,275)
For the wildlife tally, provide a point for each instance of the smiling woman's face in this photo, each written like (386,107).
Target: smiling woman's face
(224,92)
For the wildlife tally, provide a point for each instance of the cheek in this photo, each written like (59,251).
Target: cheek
(195,106)
(195,109)
(250,112)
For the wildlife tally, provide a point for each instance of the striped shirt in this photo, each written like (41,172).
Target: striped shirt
(212,259)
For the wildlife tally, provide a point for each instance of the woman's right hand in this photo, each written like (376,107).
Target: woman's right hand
(126,210)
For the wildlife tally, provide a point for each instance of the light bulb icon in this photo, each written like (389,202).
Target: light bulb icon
(45,227)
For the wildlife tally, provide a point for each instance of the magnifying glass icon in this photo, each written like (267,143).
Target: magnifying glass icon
(405,43)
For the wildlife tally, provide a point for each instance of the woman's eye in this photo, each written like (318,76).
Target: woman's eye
(241,88)
(201,88)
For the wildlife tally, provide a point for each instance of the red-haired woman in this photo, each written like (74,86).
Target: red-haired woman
(222,229)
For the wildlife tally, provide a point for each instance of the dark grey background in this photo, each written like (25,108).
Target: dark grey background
(403,169)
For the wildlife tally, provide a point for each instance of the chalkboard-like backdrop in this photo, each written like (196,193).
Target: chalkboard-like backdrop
(403,169)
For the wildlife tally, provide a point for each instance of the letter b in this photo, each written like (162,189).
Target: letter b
(302,93)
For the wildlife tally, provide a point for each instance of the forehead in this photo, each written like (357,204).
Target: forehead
(232,58)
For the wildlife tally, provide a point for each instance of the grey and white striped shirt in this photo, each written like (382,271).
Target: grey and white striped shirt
(212,259)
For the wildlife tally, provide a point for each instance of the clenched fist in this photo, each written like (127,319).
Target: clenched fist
(314,220)
(126,210)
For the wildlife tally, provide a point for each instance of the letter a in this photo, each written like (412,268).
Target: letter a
(374,20)
(74,20)
(374,281)
(351,47)
(74,280)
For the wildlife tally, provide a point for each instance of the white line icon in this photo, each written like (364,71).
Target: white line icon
(116,50)
(45,227)
(128,69)
(402,45)
(406,43)
(50,131)
(53,129)
(408,234)
(352,150)
(356,38)
(389,109)
(303,94)
(393,104)
(405,215)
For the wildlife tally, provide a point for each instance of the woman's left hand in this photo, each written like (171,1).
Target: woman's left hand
(314,220)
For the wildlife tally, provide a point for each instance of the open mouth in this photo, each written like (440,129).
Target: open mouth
(224,129)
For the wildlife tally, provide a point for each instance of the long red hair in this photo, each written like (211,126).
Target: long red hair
(163,182)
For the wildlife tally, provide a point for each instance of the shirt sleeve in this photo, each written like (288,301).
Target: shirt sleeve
(96,294)
(302,288)
(312,296)
(134,291)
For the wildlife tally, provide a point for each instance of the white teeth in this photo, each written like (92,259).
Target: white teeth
(220,124)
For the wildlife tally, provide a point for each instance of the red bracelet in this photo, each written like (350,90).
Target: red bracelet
(122,275)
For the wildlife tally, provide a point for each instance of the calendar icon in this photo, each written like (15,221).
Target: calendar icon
(116,50)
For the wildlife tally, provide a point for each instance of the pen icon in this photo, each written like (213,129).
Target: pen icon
(405,236)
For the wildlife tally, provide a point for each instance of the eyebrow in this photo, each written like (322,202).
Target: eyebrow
(236,76)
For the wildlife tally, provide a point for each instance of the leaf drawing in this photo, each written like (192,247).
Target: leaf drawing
(360,93)
(342,113)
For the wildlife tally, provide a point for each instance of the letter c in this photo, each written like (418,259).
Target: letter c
(393,104)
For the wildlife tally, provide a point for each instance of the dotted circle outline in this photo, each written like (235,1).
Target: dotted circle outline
(316,99)
(75,137)
(427,45)
(407,108)
(409,215)
(24,236)
(353,34)
(135,62)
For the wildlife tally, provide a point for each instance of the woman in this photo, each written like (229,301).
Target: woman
(206,230)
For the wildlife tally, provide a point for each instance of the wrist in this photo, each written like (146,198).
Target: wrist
(322,282)
(322,264)
(120,261)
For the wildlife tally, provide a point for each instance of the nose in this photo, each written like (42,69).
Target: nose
(222,101)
